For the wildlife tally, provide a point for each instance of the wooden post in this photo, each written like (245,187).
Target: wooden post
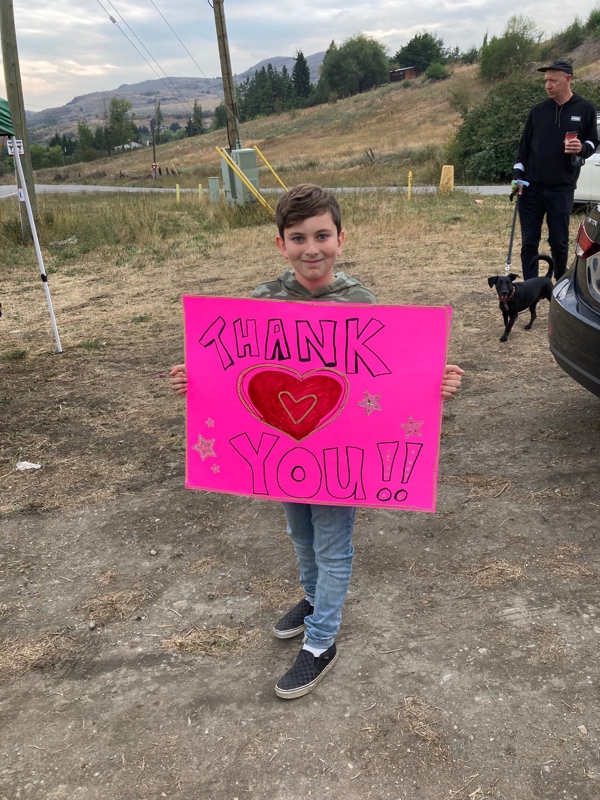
(233,134)
(447,179)
(14,91)
(409,190)
(177,193)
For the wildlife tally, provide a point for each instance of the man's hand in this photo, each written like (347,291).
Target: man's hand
(517,186)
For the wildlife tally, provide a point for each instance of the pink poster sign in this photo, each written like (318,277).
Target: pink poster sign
(318,403)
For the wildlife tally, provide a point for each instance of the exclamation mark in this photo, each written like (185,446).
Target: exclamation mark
(410,459)
(387,453)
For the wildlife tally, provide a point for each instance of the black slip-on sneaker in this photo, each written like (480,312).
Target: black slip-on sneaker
(306,671)
(292,623)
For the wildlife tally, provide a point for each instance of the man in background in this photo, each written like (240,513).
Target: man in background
(560,133)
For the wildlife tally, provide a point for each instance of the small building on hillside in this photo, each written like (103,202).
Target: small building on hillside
(404,74)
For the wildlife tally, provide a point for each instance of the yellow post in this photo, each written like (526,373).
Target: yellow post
(177,192)
(447,179)
(276,176)
(409,189)
(200,191)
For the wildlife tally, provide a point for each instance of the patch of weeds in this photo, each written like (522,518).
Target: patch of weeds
(91,345)
(220,641)
(114,606)
(141,318)
(74,272)
(13,508)
(18,657)
(247,216)
(11,231)
(25,289)
(14,355)
(452,220)
(17,567)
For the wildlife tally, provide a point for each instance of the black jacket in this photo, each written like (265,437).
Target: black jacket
(541,159)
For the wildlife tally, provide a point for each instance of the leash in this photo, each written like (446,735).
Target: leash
(515,193)
(512,231)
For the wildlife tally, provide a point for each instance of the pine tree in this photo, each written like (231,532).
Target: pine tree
(301,76)
(195,125)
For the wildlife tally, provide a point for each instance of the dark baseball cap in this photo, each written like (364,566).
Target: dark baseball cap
(561,65)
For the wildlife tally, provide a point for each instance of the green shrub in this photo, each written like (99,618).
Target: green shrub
(485,145)
(518,46)
(437,72)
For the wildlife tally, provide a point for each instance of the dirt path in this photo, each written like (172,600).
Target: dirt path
(469,649)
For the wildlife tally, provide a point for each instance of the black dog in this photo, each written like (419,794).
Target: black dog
(517,297)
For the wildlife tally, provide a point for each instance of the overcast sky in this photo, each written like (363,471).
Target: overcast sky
(71,47)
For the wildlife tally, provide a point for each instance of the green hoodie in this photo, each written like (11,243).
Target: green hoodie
(343,289)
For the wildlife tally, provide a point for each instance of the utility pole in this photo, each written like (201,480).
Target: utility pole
(14,90)
(233,133)
(152,128)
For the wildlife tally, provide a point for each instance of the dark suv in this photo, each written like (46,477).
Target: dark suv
(574,322)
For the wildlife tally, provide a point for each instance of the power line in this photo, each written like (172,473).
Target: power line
(114,21)
(179,40)
(176,88)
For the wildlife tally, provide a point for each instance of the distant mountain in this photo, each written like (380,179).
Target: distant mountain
(314,64)
(176,97)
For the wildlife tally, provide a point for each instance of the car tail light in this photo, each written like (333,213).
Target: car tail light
(586,244)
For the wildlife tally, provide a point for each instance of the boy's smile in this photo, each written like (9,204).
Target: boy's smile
(312,248)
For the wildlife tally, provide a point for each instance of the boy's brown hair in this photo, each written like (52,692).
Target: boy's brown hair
(304,201)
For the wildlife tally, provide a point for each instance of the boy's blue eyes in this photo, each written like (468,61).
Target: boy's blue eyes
(321,238)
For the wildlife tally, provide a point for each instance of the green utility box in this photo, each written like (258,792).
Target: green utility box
(235,190)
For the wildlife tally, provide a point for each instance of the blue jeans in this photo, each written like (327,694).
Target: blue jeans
(322,538)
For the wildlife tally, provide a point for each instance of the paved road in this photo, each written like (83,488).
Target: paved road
(42,188)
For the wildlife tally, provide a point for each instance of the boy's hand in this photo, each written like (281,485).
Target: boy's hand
(451,381)
(178,379)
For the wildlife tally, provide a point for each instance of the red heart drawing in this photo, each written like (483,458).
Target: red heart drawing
(293,403)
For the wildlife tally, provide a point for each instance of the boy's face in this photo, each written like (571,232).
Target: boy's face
(312,247)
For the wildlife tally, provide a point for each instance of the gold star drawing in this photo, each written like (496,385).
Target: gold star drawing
(370,403)
(412,427)
(205,448)
(215,468)
(210,423)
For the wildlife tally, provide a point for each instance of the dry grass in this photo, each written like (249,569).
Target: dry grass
(18,657)
(114,606)
(275,594)
(418,717)
(479,486)
(3,611)
(219,642)
(550,643)
(107,577)
(492,573)
(204,565)
(565,562)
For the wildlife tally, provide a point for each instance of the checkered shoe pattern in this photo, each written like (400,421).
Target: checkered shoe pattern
(305,673)
(292,623)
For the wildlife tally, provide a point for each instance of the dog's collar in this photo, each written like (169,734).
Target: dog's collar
(504,301)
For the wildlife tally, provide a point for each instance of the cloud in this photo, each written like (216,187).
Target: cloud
(80,50)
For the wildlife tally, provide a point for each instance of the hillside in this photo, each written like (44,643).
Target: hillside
(176,97)
(402,126)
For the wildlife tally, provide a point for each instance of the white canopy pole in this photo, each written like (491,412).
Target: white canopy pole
(35,240)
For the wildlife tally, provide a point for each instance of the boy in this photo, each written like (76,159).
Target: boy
(311,238)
